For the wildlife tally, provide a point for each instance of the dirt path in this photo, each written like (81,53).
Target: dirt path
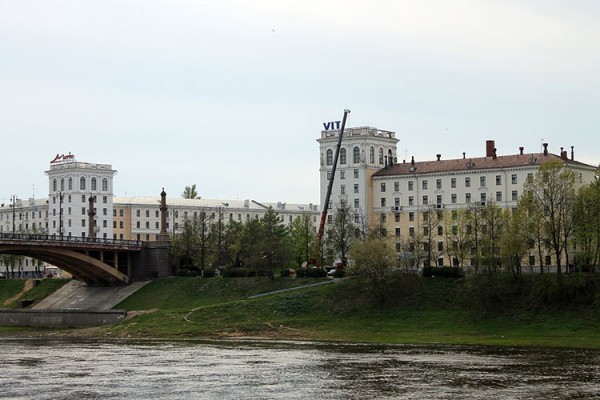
(26,288)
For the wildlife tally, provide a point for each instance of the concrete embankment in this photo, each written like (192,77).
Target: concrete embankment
(60,318)
(74,305)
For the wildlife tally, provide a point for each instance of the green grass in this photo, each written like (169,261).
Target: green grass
(534,311)
(9,288)
(38,293)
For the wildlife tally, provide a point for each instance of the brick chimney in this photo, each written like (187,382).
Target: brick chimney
(489,148)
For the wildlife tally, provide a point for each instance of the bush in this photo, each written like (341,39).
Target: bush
(447,272)
(238,273)
(209,273)
(311,273)
(339,273)
(188,272)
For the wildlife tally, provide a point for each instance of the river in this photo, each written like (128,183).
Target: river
(67,369)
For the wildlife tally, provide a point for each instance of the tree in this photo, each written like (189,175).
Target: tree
(190,192)
(342,231)
(514,238)
(431,221)
(474,228)
(457,239)
(275,241)
(552,192)
(492,224)
(303,237)
(191,244)
(371,262)
(587,224)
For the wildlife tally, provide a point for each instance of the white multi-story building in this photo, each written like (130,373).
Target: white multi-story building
(71,184)
(364,151)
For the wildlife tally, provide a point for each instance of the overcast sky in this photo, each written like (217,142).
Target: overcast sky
(231,95)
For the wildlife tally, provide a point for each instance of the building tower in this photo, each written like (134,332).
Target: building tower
(364,151)
(71,183)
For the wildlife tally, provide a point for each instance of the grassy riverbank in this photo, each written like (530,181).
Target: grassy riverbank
(534,311)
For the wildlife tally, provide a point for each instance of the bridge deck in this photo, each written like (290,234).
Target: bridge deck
(70,242)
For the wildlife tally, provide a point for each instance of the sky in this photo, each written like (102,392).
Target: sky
(231,95)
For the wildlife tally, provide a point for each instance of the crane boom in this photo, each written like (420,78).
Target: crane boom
(329,188)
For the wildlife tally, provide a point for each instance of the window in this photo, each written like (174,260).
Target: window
(156,225)
(120,212)
(62,184)
(424,184)
(453,198)
(138,213)
(156,213)
(453,183)
(398,247)
(482,181)
(137,224)
(441,247)
(498,180)
(356,203)
(382,218)
(356,188)
(397,217)
(104,199)
(515,195)
(425,200)
(356,155)
(342,174)
(467,182)
(396,186)
(438,183)
(530,177)
(329,157)
(342,156)
(383,202)
(93,184)
(82,183)
(411,231)
(372,155)
(383,187)
(70,183)
(483,198)
(426,231)
(411,216)
(397,201)
(467,197)
(83,222)
(343,189)
(380,156)
(55,185)
(498,196)
(454,215)
(121,224)
(425,216)
(105,211)
(104,185)
(411,201)
(513,179)
(438,199)
(356,174)
(397,232)
(83,211)
(328,175)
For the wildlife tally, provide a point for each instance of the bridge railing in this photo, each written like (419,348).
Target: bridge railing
(69,239)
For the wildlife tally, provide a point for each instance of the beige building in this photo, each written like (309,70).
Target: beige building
(405,194)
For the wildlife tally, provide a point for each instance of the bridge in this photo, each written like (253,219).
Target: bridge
(95,261)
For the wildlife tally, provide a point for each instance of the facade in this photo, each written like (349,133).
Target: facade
(364,151)
(73,183)
(398,198)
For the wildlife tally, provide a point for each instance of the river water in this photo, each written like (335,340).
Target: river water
(60,369)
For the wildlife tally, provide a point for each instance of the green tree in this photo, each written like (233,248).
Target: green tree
(372,260)
(492,224)
(190,192)
(342,231)
(303,236)
(457,238)
(587,224)
(275,253)
(191,244)
(552,192)
(514,238)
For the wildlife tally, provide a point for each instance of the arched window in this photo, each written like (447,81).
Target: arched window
(54,185)
(390,158)
(372,155)
(70,183)
(62,184)
(329,157)
(104,185)
(82,183)
(93,183)
(356,155)
(343,156)
(380,156)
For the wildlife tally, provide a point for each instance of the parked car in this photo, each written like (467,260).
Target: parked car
(331,272)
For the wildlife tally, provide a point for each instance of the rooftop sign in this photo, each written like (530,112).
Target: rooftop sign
(62,158)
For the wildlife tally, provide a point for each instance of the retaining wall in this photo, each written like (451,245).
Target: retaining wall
(60,318)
